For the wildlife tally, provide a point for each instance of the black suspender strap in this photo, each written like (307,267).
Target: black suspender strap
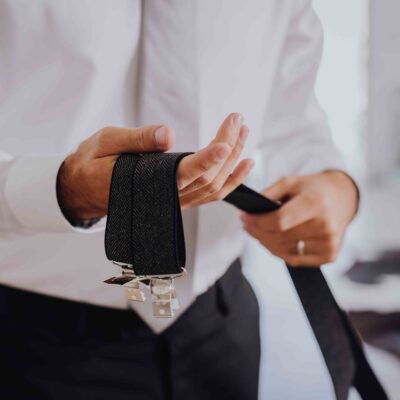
(144,233)
(339,343)
(144,223)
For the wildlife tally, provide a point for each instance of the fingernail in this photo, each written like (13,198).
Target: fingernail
(237,120)
(222,153)
(244,132)
(161,136)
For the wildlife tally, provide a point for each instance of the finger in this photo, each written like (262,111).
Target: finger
(310,261)
(221,175)
(116,140)
(199,163)
(229,129)
(310,230)
(227,133)
(227,168)
(293,213)
(313,229)
(279,239)
(311,247)
(235,179)
(282,189)
(317,251)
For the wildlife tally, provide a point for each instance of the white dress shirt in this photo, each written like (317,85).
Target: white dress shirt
(71,67)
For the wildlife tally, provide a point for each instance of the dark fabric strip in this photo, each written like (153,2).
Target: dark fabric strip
(119,217)
(339,344)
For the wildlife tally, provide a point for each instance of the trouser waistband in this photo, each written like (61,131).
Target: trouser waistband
(73,318)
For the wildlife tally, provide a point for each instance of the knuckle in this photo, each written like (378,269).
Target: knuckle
(237,150)
(333,245)
(86,145)
(213,187)
(104,132)
(203,167)
(103,135)
(140,139)
(219,196)
(329,227)
(195,185)
(203,180)
(280,223)
(286,180)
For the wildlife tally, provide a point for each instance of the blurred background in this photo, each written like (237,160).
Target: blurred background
(359,88)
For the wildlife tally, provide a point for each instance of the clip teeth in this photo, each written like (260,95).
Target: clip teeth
(163,293)
(162,297)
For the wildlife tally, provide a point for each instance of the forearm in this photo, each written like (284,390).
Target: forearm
(348,187)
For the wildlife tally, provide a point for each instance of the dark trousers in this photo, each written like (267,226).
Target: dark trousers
(57,349)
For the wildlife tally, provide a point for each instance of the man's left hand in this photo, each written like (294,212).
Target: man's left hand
(316,210)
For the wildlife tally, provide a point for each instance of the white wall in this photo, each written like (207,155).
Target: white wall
(383,133)
(341,84)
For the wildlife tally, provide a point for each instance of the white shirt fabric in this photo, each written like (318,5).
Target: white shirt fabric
(69,68)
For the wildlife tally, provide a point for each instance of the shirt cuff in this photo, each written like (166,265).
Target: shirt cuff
(30,192)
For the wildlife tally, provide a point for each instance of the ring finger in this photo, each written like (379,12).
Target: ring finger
(314,253)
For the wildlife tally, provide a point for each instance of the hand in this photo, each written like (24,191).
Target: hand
(201,182)
(85,176)
(317,209)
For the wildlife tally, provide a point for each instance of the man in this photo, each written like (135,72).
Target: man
(172,69)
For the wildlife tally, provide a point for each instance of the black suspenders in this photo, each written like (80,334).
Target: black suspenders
(144,235)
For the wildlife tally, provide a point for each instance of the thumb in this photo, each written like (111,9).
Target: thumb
(116,140)
(282,189)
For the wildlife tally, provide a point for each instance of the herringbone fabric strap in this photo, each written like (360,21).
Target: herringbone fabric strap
(118,234)
(144,222)
(144,228)
(158,244)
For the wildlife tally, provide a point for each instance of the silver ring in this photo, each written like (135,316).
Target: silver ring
(301,247)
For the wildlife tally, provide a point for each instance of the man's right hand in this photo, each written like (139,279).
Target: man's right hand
(207,175)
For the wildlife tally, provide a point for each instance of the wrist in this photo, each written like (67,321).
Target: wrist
(64,195)
(346,185)
(70,197)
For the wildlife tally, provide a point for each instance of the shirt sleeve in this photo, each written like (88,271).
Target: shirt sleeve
(297,139)
(28,197)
